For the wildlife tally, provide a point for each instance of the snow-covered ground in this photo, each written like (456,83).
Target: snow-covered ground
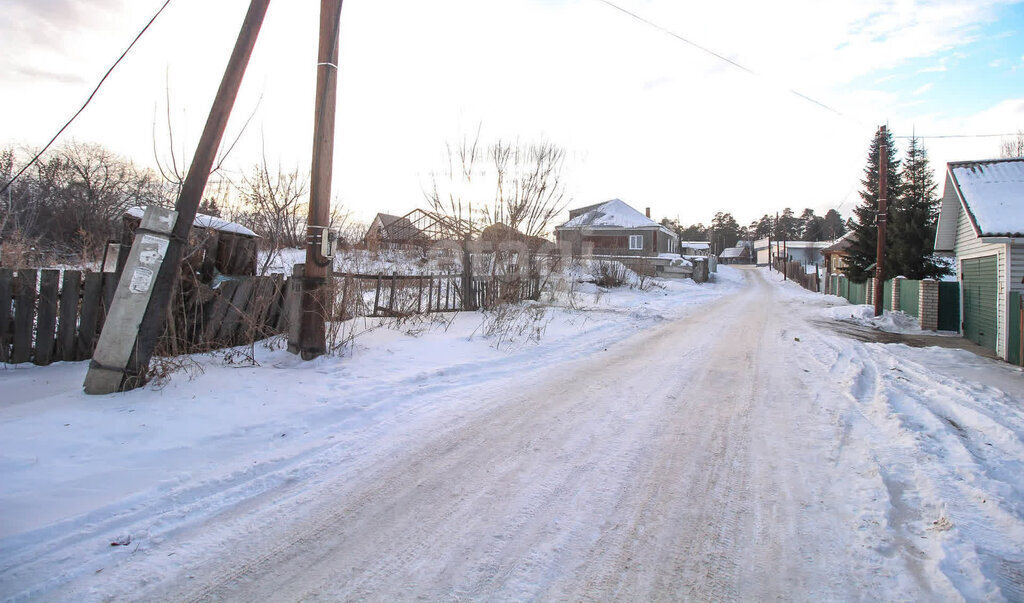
(700,441)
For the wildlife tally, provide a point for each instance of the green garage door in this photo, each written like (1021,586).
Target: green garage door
(980,280)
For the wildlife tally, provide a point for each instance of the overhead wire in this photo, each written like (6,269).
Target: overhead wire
(716,55)
(87,101)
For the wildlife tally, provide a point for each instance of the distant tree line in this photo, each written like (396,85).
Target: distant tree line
(724,231)
(67,205)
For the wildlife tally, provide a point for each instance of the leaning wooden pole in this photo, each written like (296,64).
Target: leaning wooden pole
(113,376)
(312,329)
(883,212)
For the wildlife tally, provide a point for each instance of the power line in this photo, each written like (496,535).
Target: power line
(960,135)
(87,101)
(715,54)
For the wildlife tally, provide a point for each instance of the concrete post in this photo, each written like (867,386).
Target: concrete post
(121,330)
(928,309)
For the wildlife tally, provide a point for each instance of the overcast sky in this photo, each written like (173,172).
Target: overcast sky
(644,116)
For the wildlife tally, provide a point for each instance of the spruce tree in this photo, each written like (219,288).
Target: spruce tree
(864,241)
(913,218)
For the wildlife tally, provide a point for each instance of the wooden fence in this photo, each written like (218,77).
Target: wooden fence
(797,272)
(52,315)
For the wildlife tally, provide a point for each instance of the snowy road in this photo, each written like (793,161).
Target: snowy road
(739,451)
(683,462)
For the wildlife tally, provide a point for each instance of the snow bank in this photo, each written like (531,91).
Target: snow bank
(863,314)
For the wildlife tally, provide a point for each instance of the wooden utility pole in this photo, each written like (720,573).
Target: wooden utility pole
(319,256)
(166,270)
(883,210)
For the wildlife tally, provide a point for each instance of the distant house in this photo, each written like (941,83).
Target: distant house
(613,228)
(392,232)
(835,257)
(735,255)
(695,248)
(805,252)
(499,233)
(981,223)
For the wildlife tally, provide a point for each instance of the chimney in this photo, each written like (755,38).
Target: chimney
(648,212)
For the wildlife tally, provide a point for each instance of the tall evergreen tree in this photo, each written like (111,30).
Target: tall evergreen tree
(724,233)
(864,241)
(912,229)
(833,226)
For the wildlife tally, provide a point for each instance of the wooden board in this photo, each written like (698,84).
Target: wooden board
(67,323)
(24,315)
(238,306)
(6,332)
(88,324)
(46,317)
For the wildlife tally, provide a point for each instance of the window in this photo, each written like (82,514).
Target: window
(636,242)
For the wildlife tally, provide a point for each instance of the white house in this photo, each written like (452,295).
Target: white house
(981,223)
(805,252)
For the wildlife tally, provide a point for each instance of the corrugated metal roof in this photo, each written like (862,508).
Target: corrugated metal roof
(993,192)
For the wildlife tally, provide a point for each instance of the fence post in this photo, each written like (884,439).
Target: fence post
(894,298)
(391,298)
(376,298)
(928,304)
(467,277)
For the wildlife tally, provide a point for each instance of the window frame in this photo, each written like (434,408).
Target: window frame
(635,237)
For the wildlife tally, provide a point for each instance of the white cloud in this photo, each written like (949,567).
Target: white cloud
(922,89)
(644,116)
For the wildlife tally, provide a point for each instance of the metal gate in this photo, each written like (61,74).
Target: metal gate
(980,290)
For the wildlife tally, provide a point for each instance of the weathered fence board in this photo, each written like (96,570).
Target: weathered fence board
(88,324)
(67,322)
(24,315)
(46,317)
(6,299)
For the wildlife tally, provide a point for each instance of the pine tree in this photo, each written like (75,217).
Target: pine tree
(913,218)
(864,241)
(833,226)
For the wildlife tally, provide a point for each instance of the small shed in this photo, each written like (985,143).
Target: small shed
(835,257)
(215,245)
(735,255)
(981,224)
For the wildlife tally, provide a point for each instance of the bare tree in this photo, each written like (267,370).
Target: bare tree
(524,189)
(1013,147)
(274,204)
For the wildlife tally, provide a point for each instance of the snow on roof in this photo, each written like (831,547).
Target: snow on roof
(732,252)
(694,244)
(205,221)
(993,192)
(842,243)
(611,214)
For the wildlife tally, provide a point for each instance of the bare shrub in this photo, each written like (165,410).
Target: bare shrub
(608,273)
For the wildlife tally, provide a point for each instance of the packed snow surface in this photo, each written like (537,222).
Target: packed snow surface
(693,441)
(614,213)
(994,191)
